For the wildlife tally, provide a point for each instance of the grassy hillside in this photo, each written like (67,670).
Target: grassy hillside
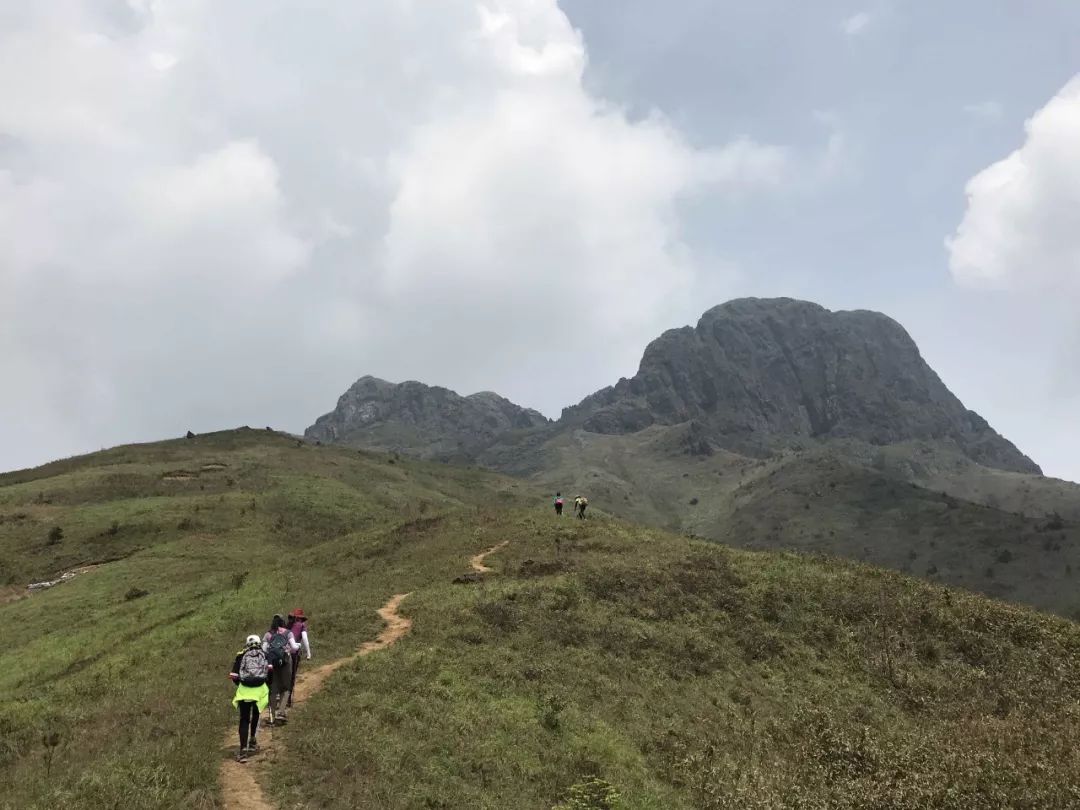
(816,504)
(903,509)
(135,685)
(682,673)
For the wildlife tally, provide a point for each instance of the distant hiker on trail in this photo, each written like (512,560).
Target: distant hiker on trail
(580,502)
(279,645)
(558,503)
(297,625)
(250,672)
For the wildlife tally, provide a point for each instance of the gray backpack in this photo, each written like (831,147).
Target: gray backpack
(254,668)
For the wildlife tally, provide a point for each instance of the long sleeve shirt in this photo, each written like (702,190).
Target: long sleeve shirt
(305,643)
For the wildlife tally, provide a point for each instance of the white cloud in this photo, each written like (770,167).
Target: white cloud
(1020,227)
(985,109)
(855,24)
(205,222)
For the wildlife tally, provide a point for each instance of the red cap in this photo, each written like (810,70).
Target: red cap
(299,613)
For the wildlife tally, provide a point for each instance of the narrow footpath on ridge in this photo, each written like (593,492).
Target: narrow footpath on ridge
(477,561)
(239,788)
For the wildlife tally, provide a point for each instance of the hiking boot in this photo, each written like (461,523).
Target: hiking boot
(253,748)
(242,755)
(281,721)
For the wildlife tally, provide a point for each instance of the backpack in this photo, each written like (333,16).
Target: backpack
(279,645)
(253,668)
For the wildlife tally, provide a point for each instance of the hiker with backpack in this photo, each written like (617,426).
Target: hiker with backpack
(250,672)
(580,502)
(279,645)
(297,625)
(558,504)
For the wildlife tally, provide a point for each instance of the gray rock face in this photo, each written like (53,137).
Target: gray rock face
(421,420)
(755,372)
(754,376)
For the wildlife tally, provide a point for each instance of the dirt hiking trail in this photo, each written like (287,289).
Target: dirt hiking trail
(239,788)
(477,561)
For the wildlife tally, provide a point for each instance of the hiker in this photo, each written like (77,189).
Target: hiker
(250,672)
(558,504)
(279,645)
(297,625)
(580,502)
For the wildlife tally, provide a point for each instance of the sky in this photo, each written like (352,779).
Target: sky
(217,214)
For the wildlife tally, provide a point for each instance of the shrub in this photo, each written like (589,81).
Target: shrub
(135,593)
(56,534)
(592,794)
(1055,523)
(549,710)
(928,651)
(500,614)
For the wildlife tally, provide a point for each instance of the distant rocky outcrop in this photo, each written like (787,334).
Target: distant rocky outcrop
(421,420)
(755,373)
(755,376)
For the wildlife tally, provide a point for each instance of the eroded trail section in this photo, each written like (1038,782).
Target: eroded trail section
(13,593)
(239,788)
(477,561)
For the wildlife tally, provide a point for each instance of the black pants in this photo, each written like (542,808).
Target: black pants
(558,509)
(249,719)
(295,668)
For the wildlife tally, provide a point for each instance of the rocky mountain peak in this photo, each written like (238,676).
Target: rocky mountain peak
(753,376)
(754,371)
(422,420)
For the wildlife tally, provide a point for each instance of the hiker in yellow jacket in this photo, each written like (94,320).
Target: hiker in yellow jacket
(250,672)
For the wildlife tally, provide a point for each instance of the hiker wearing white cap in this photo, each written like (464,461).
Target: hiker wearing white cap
(250,672)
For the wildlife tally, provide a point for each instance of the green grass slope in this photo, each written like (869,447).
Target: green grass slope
(682,673)
(1001,542)
(222,531)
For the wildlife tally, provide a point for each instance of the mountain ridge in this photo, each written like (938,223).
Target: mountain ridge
(752,376)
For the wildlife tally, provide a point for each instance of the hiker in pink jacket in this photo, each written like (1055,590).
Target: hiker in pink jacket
(297,624)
